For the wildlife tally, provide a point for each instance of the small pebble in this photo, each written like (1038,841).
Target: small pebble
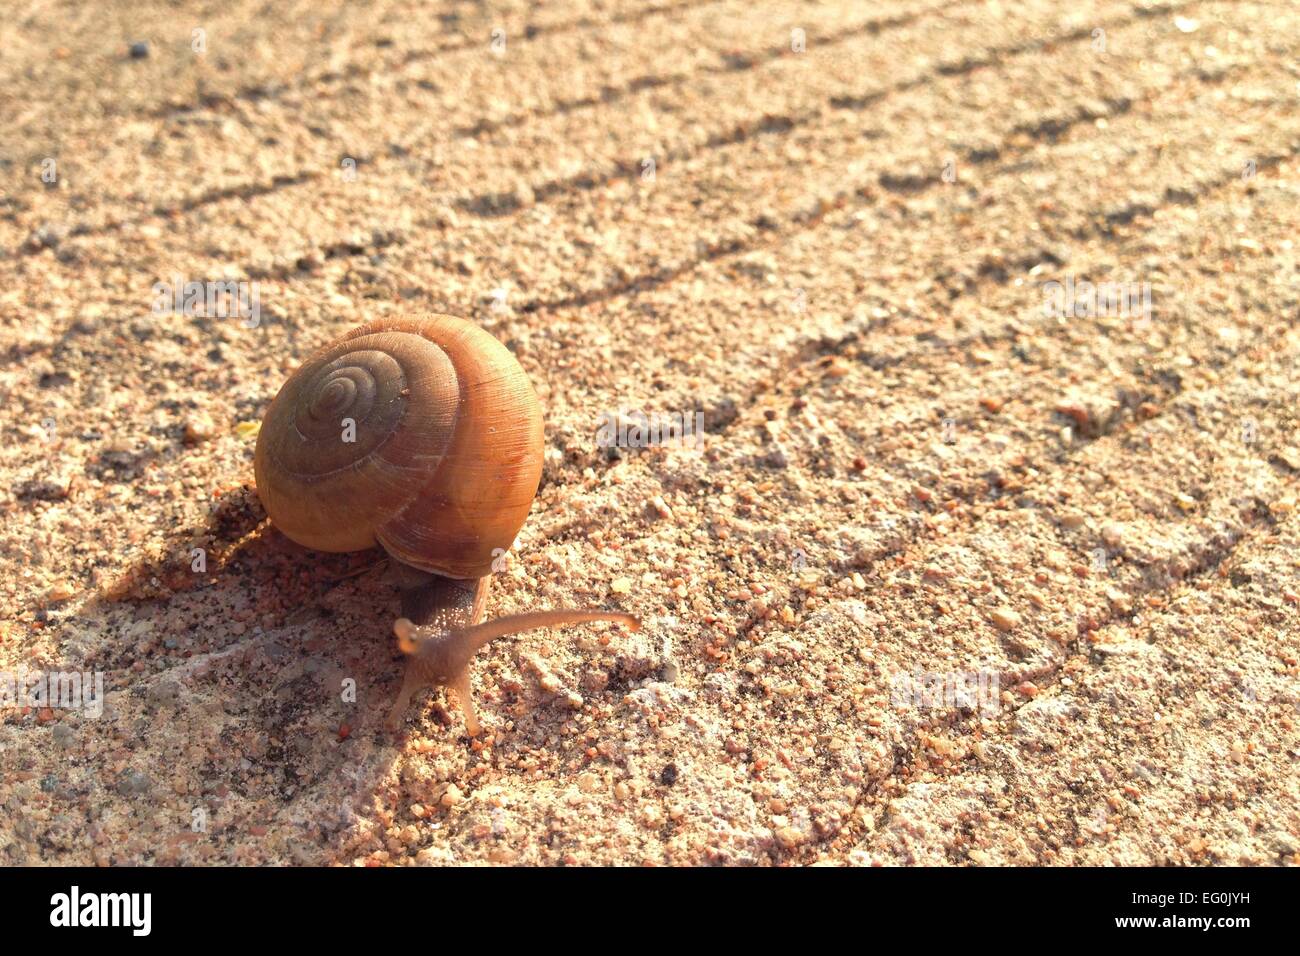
(132,783)
(59,592)
(42,489)
(789,837)
(1004,619)
(199,428)
(164,691)
(776,458)
(1290,457)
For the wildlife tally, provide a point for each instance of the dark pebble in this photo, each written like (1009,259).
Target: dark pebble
(132,782)
(38,490)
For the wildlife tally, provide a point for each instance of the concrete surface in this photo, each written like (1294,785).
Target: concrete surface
(835,245)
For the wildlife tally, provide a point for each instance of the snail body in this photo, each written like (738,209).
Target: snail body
(423,436)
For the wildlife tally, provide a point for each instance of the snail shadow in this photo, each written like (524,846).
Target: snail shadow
(254,674)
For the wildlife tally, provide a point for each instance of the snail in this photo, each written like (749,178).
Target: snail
(421,435)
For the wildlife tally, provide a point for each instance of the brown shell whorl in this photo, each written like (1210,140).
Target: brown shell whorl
(447,453)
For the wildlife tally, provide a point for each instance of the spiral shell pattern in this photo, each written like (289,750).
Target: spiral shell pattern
(419,434)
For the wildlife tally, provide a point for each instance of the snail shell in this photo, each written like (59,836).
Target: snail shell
(446,454)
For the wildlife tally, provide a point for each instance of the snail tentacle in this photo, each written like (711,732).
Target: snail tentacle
(441,657)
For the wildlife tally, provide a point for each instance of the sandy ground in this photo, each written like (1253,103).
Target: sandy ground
(834,244)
